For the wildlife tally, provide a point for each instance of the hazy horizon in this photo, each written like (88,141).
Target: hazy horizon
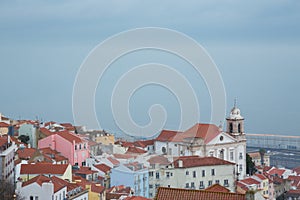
(255,46)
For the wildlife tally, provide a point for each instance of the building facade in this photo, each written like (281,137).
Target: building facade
(7,153)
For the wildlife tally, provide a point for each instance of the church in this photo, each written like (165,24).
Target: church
(208,140)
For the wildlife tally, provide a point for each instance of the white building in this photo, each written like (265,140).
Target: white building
(7,153)
(208,140)
(193,172)
(42,187)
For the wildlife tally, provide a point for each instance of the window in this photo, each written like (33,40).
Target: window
(217,181)
(171,174)
(157,185)
(241,155)
(187,173)
(150,186)
(150,173)
(151,194)
(168,174)
(239,128)
(203,173)
(212,172)
(231,155)
(75,147)
(192,185)
(230,128)
(84,146)
(157,175)
(209,183)
(164,150)
(241,167)
(36,198)
(31,197)
(80,146)
(222,154)
(194,174)
(201,185)
(169,186)
(187,185)
(226,183)
(211,154)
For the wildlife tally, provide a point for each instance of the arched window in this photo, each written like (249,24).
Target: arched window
(222,154)
(239,128)
(230,128)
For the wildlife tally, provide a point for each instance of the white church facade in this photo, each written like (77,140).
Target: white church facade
(209,140)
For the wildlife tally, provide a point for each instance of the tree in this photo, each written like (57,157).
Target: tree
(24,138)
(262,154)
(7,191)
(250,166)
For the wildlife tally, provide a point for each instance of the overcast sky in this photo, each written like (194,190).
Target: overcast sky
(255,45)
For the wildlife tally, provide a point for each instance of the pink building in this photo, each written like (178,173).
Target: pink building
(69,145)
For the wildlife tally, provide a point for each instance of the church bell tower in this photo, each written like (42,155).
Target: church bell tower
(235,122)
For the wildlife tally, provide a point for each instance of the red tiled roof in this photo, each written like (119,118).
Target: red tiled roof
(4,125)
(40,179)
(195,161)
(97,188)
(143,143)
(297,170)
(103,167)
(46,131)
(85,170)
(250,181)
(159,160)
(114,161)
(276,171)
(3,140)
(184,194)
(124,156)
(261,176)
(205,131)
(112,196)
(69,136)
(26,153)
(136,198)
(135,150)
(43,168)
(167,135)
(217,188)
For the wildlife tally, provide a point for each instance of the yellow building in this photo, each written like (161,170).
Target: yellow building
(105,138)
(3,128)
(96,191)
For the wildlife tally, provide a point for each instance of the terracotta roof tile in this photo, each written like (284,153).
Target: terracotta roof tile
(69,136)
(26,153)
(195,161)
(217,188)
(136,198)
(114,161)
(250,181)
(159,159)
(43,168)
(184,194)
(97,188)
(135,150)
(40,179)
(167,135)
(4,125)
(46,131)
(143,143)
(103,167)
(85,170)
(205,131)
